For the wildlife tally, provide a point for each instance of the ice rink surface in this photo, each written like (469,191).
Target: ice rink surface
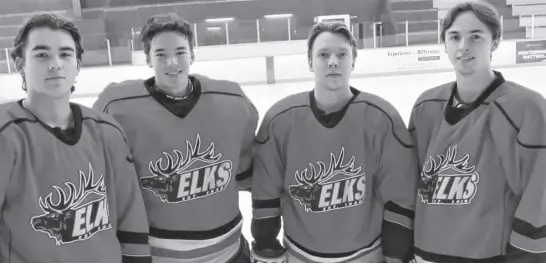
(401,91)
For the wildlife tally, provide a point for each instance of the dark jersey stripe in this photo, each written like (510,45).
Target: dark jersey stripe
(266,204)
(505,114)
(135,259)
(526,229)
(274,117)
(430,100)
(329,255)
(433,257)
(196,235)
(132,237)
(397,241)
(244,175)
(395,208)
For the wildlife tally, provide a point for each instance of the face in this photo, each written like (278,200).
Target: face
(50,65)
(331,61)
(469,44)
(170,58)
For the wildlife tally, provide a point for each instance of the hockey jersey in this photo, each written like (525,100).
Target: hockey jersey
(344,182)
(191,156)
(482,190)
(68,195)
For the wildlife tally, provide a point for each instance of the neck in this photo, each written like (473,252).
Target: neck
(54,112)
(470,87)
(181,91)
(331,101)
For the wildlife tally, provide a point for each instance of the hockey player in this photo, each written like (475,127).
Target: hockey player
(192,141)
(68,189)
(482,146)
(337,164)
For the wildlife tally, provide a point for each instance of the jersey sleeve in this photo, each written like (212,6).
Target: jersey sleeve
(396,185)
(528,236)
(7,161)
(133,225)
(268,172)
(244,171)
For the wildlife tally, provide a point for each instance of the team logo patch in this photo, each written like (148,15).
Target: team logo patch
(70,219)
(175,182)
(447,180)
(318,192)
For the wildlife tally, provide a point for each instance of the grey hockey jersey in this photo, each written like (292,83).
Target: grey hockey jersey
(191,156)
(344,183)
(68,196)
(482,190)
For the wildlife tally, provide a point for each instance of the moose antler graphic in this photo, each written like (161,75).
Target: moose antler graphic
(74,197)
(324,174)
(182,162)
(431,168)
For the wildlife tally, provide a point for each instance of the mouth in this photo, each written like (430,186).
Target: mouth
(465,58)
(333,75)
(174,73)
(55,78)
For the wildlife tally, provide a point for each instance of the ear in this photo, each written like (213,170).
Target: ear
(19,64)
(353,66)
(192,57)
(310,64)
(149,62)
(79,65)
(495,45)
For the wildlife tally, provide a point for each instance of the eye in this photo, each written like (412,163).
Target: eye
(66,55)
(179,53)
(343,55)
(41,55)
(454,37)
(323,54)
(476,37)
(160,55)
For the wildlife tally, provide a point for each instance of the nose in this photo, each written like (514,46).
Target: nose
(55,64)
(172,60)
(463,44)
(333,62)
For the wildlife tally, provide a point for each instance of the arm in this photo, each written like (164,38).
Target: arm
(396,184)
(528,236)
(267,185)
(244,171)
(132,219)
(7,161)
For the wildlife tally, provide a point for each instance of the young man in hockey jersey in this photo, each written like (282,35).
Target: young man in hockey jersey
(68,188)
(192,141)
(337,164)
(481,142)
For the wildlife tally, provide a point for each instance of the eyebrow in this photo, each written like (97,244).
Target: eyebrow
(44,47)
(342,49)
(161,50)
(472,31)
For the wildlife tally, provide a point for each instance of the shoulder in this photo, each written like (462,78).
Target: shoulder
(378,103)
(278,115)
(438,94)
(11,113)
(520,104)
(215,86)
(102,122)
(126,90)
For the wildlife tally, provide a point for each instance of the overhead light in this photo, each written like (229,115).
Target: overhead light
(220,19)
(214,28)
(279,16)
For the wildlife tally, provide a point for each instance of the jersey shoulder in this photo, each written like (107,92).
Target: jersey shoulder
(519,104)
(10,113)
(119,91)
(210,85)
(379,103)
(287,104)
(439,93)
(103,122)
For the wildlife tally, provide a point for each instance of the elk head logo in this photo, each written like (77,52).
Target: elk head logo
(58,218)
(309,186)
(163,180)
(431,169)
